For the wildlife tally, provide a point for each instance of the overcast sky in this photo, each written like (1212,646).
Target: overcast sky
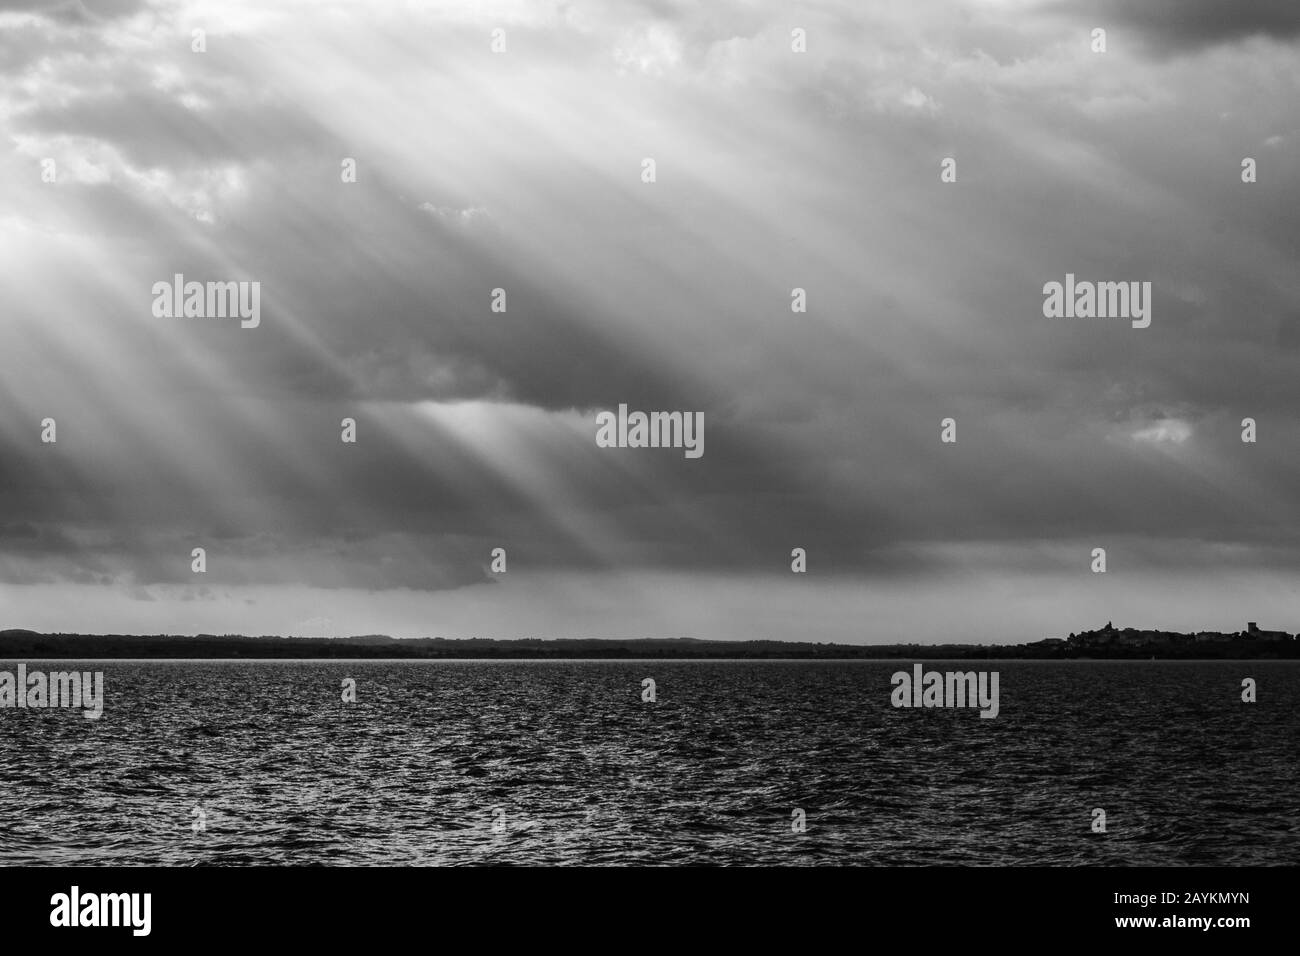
(775,170)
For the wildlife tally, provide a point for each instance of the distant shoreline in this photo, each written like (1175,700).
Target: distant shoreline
(635,660)
(1106,644)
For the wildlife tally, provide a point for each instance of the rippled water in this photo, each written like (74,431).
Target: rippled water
(579,770)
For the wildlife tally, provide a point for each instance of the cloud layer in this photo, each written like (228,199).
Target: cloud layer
(521,170)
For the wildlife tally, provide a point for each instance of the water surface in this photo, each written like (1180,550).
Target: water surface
(567,757)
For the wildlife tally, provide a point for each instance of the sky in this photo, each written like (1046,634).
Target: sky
(522,169)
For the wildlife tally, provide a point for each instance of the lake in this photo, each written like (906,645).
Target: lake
(562,762)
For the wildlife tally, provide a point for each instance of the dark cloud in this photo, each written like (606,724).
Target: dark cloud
(1172,26)
(75,11)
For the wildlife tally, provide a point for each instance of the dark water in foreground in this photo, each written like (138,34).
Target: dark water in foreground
(433,752)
